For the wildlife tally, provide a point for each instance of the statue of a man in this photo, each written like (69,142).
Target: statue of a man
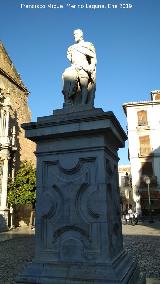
(80,78)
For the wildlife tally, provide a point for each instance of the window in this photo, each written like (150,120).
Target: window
(145,147)
(147,169)
(157,97)
(142,117)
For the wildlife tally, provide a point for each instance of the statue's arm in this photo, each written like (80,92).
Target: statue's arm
(91,53)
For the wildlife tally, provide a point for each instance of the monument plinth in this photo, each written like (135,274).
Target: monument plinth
(78,223)
(78,220)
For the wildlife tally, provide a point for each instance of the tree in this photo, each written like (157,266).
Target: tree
(22,189)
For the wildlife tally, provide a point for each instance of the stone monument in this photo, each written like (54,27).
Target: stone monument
(78,222)
(80,78)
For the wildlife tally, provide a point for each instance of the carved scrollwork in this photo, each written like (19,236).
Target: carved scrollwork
(93,211)
(64,185)
(64,229)
(51,202)
(48,205)
(89,203)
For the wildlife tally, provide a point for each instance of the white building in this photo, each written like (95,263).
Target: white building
(6,147)
(143,120)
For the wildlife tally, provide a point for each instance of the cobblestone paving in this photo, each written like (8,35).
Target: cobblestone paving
(147,251)
(14,254)
(143,242)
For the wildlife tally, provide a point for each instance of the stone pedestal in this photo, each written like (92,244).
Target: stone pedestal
(78,223)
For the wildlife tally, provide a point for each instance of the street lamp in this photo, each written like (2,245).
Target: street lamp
(148,181)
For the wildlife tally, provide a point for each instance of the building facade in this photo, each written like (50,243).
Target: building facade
(143,119)
(124,174)
(14,110)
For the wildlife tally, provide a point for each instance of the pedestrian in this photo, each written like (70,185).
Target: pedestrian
(130,212)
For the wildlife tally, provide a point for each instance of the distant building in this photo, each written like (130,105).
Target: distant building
(14,110)
(143,120)
(124,173)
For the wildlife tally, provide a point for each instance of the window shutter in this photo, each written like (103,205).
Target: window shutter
(157,97)
(145,147)
(142,117)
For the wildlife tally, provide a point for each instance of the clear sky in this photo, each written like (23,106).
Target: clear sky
(127,42)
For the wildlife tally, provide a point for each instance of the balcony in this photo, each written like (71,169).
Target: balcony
(145,152)
(143,126)
(154,194)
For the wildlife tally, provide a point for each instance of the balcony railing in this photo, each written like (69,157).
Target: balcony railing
(142,123)
(143,152)
(154,194)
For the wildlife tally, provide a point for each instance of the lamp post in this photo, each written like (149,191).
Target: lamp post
(148,181)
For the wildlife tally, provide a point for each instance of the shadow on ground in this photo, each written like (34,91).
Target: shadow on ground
(146,249)
(17,251)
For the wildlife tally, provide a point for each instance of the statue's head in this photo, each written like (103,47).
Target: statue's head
(78,35)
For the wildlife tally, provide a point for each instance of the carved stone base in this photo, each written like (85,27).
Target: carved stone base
(121,270)
(78,223)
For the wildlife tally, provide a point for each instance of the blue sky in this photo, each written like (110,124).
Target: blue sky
(127,44)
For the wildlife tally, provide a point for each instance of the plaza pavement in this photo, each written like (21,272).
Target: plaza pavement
(142,241)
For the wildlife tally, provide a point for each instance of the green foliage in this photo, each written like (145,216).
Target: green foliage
(22,189)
